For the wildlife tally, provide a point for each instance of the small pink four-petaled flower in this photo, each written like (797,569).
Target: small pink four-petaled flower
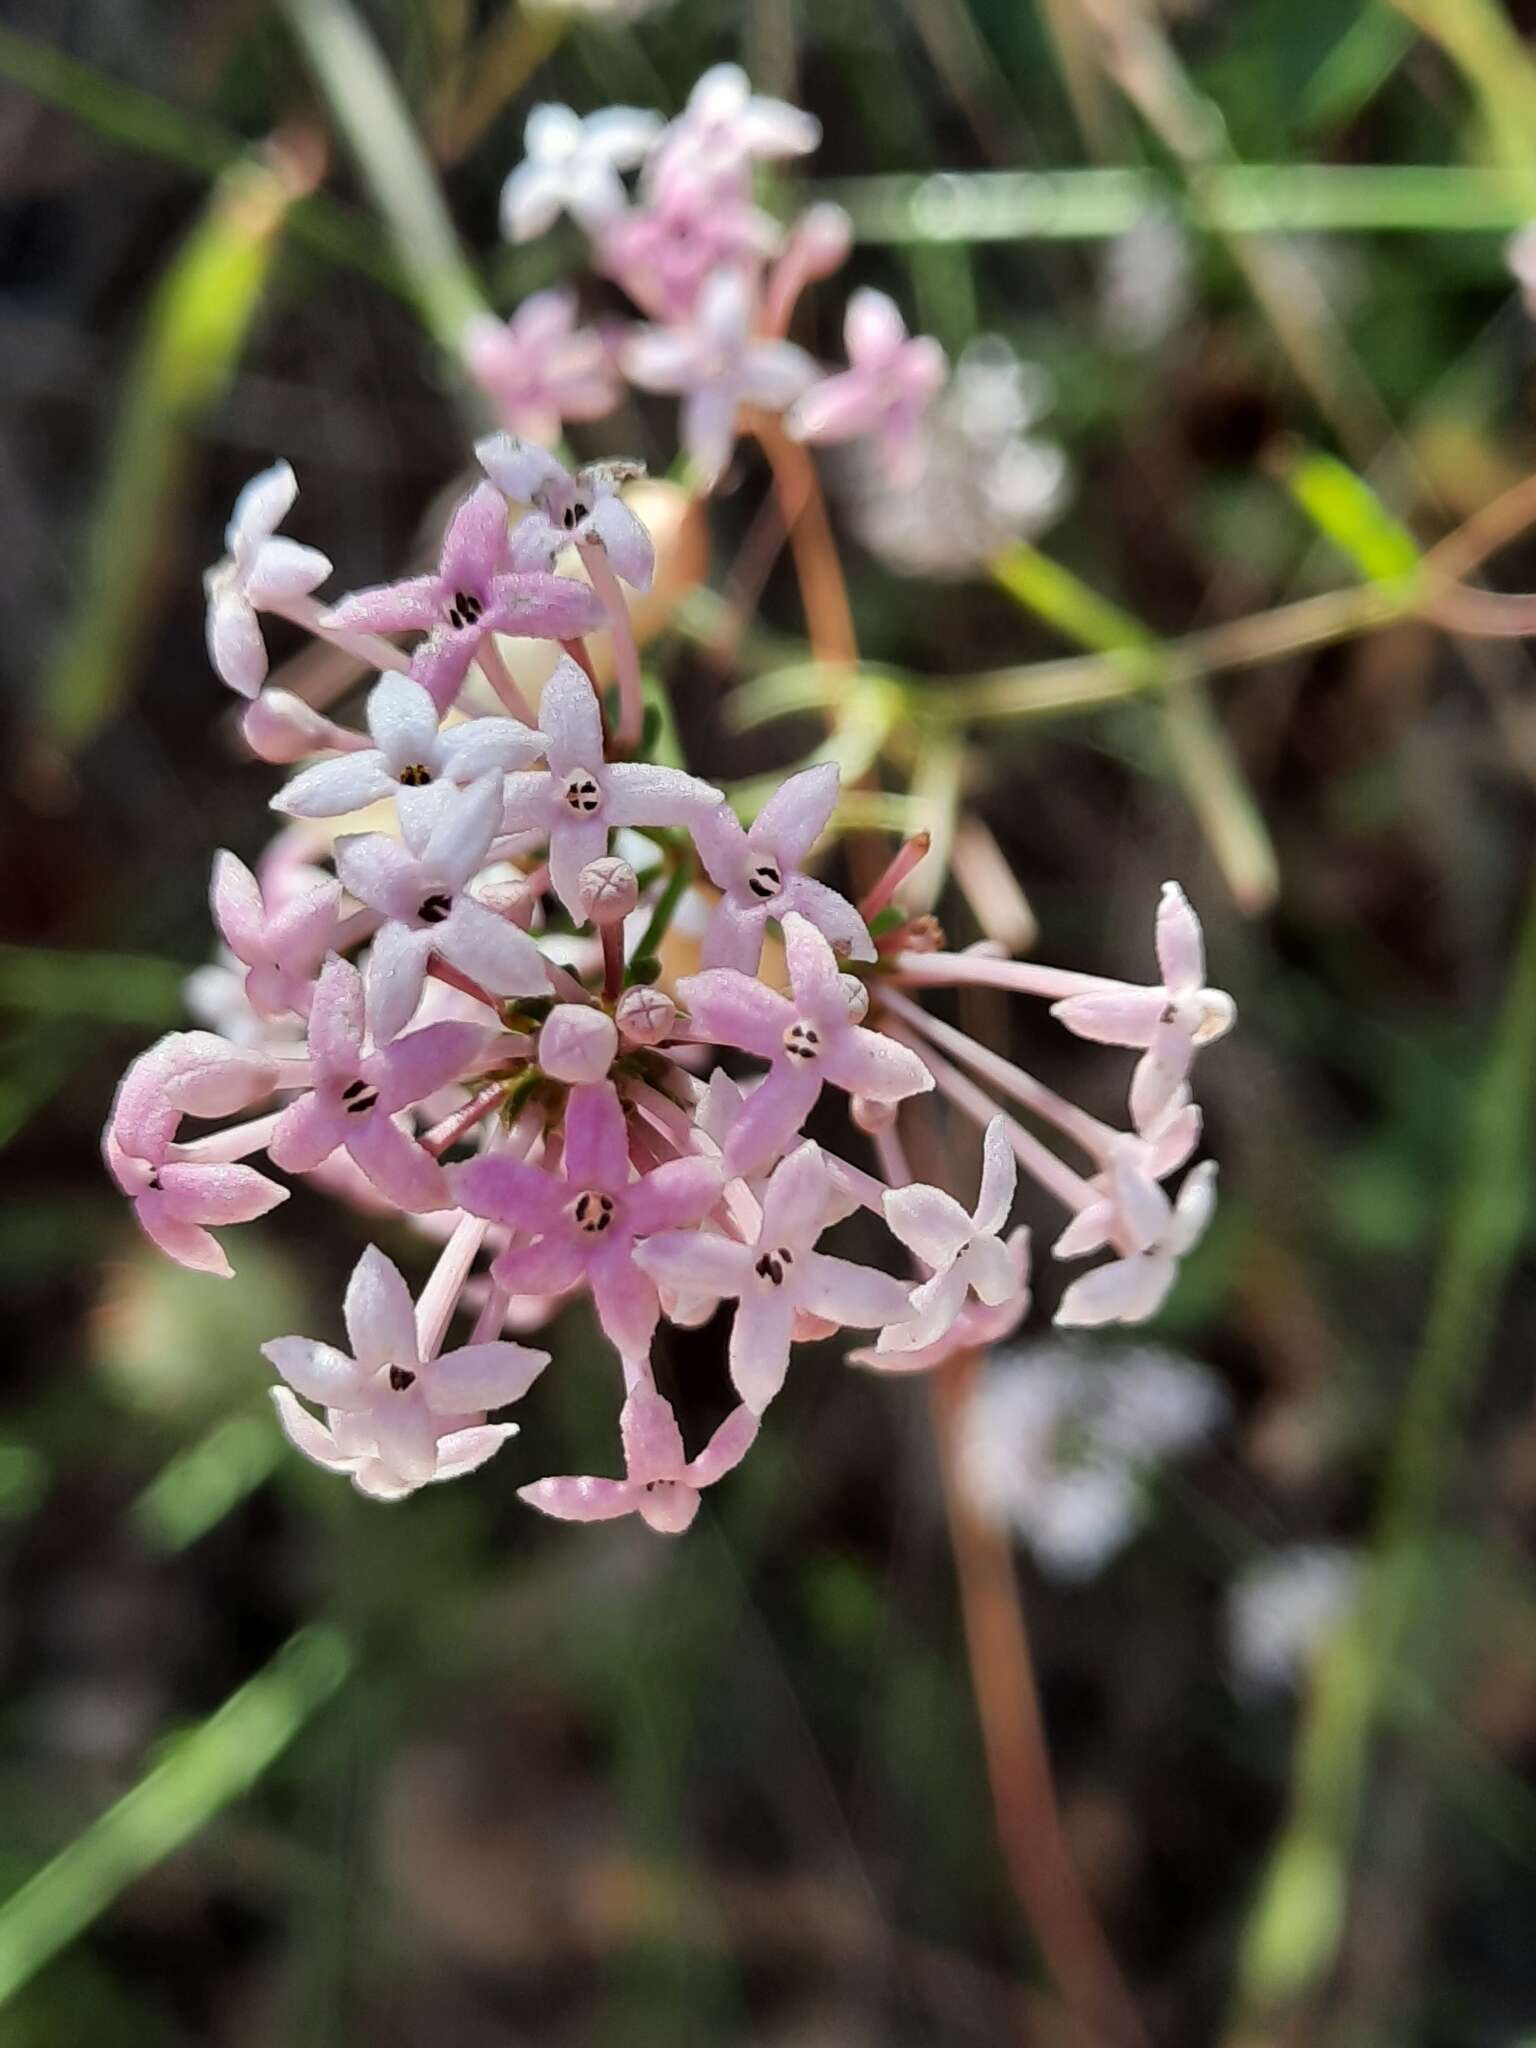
(661,1485)
(261,571)
(539,368)
(891,380)
(964,1254)
(758,871)
(580,510)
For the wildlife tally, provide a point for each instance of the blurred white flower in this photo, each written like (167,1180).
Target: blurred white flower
(979,477)
(1144,289)
(1283,1608)
(1057,1442)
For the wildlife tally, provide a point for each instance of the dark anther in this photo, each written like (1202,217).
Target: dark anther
(359,1097)
(764,880)
(434,908)
(415,774)
(401,1379)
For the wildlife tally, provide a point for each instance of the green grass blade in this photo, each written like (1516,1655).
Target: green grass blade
(202,1773)
(113,988)
(207,1481)
(1345,510)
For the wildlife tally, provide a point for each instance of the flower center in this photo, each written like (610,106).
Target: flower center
(465,610)
(581,793)
(401,1378)
(764,879)
(772,1266)
(592,1212)
(574,514)
(802,1041)
(414,775)
(359,1097)
(434,908)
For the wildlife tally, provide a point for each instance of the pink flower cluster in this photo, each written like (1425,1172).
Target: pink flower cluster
(716,276)
(442,995)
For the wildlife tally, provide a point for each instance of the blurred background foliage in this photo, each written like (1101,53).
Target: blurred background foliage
(276,1765)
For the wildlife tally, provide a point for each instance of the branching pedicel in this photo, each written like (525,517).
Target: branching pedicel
(478,975)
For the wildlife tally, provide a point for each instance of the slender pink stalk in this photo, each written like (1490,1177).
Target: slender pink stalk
(494,668)
(492,1316)
(986,970)
(613,961)
(371,648)
(1095,1138)
(445,1135)
(439,1298)
(626,655)
(905,859)
(441,971)
(1053,1174)
(222,1148)
(355,930)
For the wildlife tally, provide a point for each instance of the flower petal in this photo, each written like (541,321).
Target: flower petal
(653,1444)
(772,1115)
(336,1020)
(999,1179)
(308,1434)
(796,1199)
(841,1292)
(473,543)
(492,951)
(282,571)
(414,606)
(235,646)
(570,720)
(480,1376)
(1123,1291)
(596,1139)
(736,1009)
(403,720)
(330,789)
(320,1372)
(929,1222)
(1117,1017)
(396,1164)
(760,1341)
(1180,943)
(581,1500)
(379,1314)
(725,1449)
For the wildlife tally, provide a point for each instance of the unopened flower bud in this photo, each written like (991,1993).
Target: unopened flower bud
(205,1075)
(857,993)
(514,901)
(645,1015)
(577,1044)
(607,890)
(869,1116)
(822,239)
(282,728)
(1216,1013)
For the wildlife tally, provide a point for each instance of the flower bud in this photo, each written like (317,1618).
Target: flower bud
(577,1043)
(282,728)
(857,992)
(514,901)
(645,1015)
(607,890)
(869,1116)
(822,239)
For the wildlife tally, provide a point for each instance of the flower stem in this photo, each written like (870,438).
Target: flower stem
(626,655)
(371,648)
(494,668)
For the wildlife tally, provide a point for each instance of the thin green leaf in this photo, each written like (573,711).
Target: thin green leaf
(1345,510)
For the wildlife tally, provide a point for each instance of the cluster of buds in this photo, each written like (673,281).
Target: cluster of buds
(442,998)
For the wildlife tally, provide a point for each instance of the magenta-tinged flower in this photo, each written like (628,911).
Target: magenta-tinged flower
(581,795)
(473,593)
(261,571)
(977,1327)
(424,893)
(1134,1287)
(357,1096)
(281,949)
(778,1275)
(808,1037)
(663,252)
(891,380)
(717,365)
(662,1486)
(410,757)
(724,128)
(201,1074)
(587,1219)
(539,368)
(394,1422)
(1171,1021)
(964,1254)
(174,1200)
(578,1043)
(759,872)
(580,510)
(571,165)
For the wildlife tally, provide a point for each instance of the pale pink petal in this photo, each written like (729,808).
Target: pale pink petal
(1143,1207)
(320,1372)
(843,1293)
(407,1439)
(596,1138)
(774,373)
(396,1164)
(336,1019)
(1119,1017)
(797,814)
(330,789)
(218,1194)
(262,506)
(306,1134)
(696,1263)
(570,720)
(680,1192)
(416,605)
(796,1199)
(492,951)
(814,973)
(379,872)
(520,468)
(234,896)
(187,1243)
(721,844)
(533,605)
(235,646)
(653,1444)
(733,937)
(1194,1208)
(462,834)
(772,1115)
(708,428)
(308,1434)
(1160,1073)
(932,1310)
(282,571)
(507,1191)
(379,1314)
(991,1271)
(1124,1291)
(669,1506)
(403,721)
(624,1297)
(735,1009)
(552,1266)
(625,540)
(472,546)
(574,843)
(1180,945)
(868,1063)
(205,1075)
(480,1376)
(421,1062)
(1089,1231)
(482,745)
(999,1178)
(397,972)
(581,1500)
(725,1449)
(760,1341)
(873,329)
(441,662)
(299,934)
(636,793)
(466,1450)
(929,1222)
(837,408)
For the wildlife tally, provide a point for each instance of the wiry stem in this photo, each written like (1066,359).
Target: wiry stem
(494,668)
(371,648)
(626,655)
